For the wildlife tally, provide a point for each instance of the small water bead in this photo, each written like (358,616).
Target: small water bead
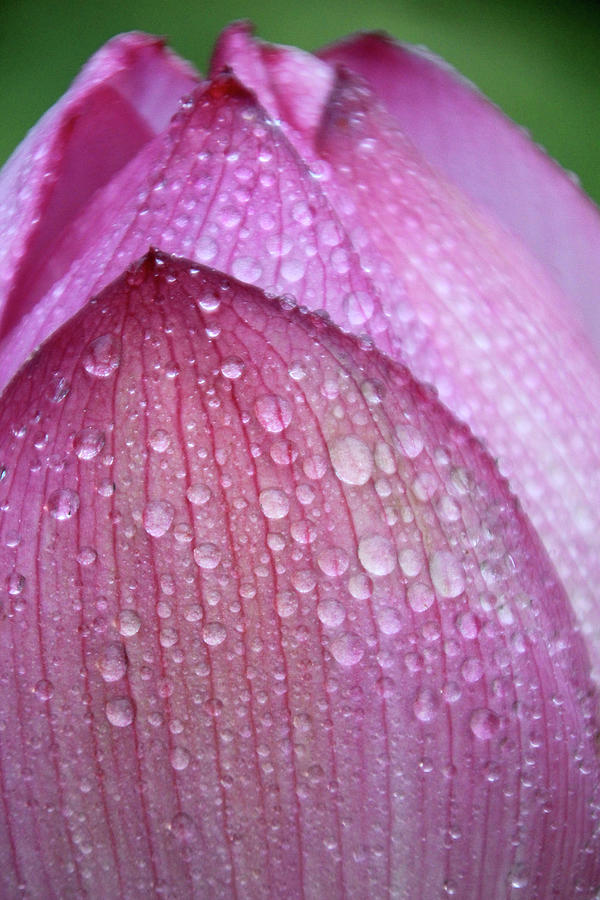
(352,460)
(274,413)
(102,357)
(347,649)
(304,581)
(411,561)
(468,625)
(426,705)
(180,758)
(419,596)
(360,586)
(447,574)
(484,724)
(207,556)
(297,371)
(389,620)
(333,561)
(377,555)
(331,613)
(112,661)
(286,604)
(214,633)
(88,443)
(232,368)
(409,441)
(87,556)
(58,388)
(198,494)
(128,622)
(358,307)
(274,503)
(63,504)
(158,517)
(182,828)
(15,584)
(160,440)
(283,452)
(120,712)
(472,669)
(44,690)
(209,302)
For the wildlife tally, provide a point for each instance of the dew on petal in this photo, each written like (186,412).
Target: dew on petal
(207,556)
(214,633)
(352,460)
(484,724)
(426,705)
(447,574)
(347,649)
(63,504)
(232,368)
(101,357)
(120,712)
(274,503)
(88,443)
(420,596)
(15,584)
(283,452)
(389,620)
(128,622)
(44,690)
(182,828)
(274,413)
(180,758)
(376,554)
(112,661)
(198,494)
(158,517)
(331,613)
(160,440)
(410,441)
(333,561)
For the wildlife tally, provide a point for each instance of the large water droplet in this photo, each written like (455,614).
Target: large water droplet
(120,712)
(198,494)
(484,724)
(214,633)
(274,503)
(88,442)
(447,574)
(274,413)
(420,596)
(128,622)
(101,357)
(376,553)
(63,504)
(112,661)
(333,561)
(207,556)
(158,517)
(160,440)
(232,367)
(331,613)
(352,460)
(347,649)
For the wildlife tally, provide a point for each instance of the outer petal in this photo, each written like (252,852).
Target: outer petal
(478,148)
(465,303)
(124,96)
(250,646)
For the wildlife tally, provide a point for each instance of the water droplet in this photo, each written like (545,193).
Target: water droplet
(472,669)
(274,413)
(347,649)
(232,367)
(112,661)
(158,517)
(120,712)
(63,504)
(352,460)
(209,302)
(274,503)
(286,604)
(101,357)
(389,620)
(358,307)
(376,554)
(331,613)
(420,596)
(198,494)
(426,705)
(15,584)
(283,452)
(468,625)
(129,622)
(333,561)
(304,581)
(180,758)
(59,388)
(87,556)
(360,586)
(88,442)
(183,828)
(411,561)
(160,440)
(484,724)
(44,690)
(207,556)
(297,371)
(214,633)
(410,441)
(447,574)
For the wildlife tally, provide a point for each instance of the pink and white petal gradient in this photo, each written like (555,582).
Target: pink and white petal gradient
(249,644)
(463,300)
(124,96)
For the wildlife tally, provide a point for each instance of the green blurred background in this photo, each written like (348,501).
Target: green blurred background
(540,61)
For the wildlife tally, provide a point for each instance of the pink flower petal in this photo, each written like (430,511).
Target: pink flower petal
(124,96)
(193,702)
(468,307)
(493,160)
